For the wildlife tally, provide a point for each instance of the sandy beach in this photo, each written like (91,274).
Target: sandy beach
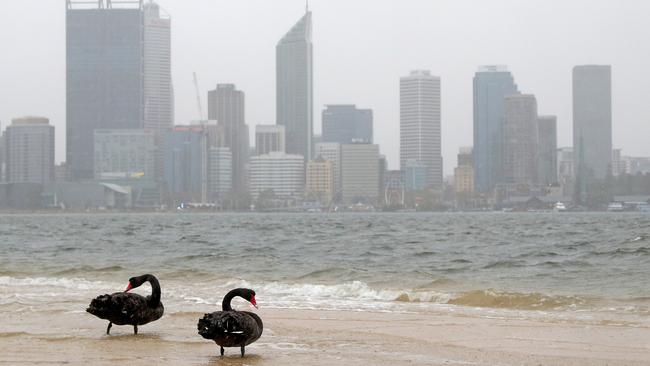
(311,337)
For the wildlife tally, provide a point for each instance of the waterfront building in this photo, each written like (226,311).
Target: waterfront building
(547,149)
(219,173)
(332,151)
(186,163)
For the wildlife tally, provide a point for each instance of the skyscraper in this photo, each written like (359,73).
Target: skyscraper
(592,121)
(420,120)
(345,124)
(30,150)
(520,140)
(105,75)
(226,106)
(547,149)
(294,87)
(158,91)
(491,85)
(186,164)
(124,154)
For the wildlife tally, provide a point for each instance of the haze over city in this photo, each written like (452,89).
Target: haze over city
(361,49)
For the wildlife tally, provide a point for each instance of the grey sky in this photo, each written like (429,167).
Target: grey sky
(361,49)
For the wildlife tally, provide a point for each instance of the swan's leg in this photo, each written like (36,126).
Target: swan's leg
(108,329)
(135,329)
(222,351)
(243,350)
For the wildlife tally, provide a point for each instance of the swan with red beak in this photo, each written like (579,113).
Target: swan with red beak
(232,328)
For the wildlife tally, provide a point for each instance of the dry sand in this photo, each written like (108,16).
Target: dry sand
(306,337)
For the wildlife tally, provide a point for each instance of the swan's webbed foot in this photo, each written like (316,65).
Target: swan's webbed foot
(243,350)
(108,329)
(135,329)
(221,350)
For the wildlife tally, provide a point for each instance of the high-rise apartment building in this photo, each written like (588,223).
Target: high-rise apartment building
(491,85)
(420,124)
(269,138)
(104,75)
(345,124)
(294,87)
(29,150)
(124,154)
(592,121)
(360,173)
(226,106)
(520,140)
(547,149)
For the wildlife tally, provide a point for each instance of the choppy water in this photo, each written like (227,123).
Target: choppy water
(561,263)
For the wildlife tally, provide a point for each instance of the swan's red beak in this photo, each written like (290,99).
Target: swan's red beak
(253,302)
(129,287)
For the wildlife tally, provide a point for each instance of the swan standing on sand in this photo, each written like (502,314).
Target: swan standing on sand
(124,308)
(232,328)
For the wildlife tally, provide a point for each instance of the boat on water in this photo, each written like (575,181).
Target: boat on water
(560,207)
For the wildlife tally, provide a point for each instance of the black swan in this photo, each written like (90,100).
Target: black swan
(232,328)
(124,308)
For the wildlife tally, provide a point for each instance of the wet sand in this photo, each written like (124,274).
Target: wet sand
(310,337)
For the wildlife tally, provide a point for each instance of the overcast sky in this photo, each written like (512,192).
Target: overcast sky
(361,48)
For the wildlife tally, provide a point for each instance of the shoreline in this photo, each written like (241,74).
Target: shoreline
(317,337)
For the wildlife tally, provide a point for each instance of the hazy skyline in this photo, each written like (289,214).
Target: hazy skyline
(361,49)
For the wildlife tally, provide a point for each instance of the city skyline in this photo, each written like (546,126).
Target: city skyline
(552,87)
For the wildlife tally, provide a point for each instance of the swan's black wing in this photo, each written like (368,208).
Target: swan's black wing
(231,328)
(123,308)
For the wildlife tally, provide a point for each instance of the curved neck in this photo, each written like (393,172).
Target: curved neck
(225,305)
(155,289)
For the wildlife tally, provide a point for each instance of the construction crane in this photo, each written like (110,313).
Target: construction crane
(198,98)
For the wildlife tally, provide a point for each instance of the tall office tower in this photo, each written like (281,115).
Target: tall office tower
(346,124)
(520,139)
(158,91)
(360,173)
(294,87)
(269,138)
(420,124)
(491,85)
(226,106)
(219,173)
(277,172)
(547,149)
(592,121)
(30,150)
(319,184)
(104,75)
(125,154)
(332,151)
(186,165)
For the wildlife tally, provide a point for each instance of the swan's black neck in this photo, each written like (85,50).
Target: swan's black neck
(154,299)
(225,305)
